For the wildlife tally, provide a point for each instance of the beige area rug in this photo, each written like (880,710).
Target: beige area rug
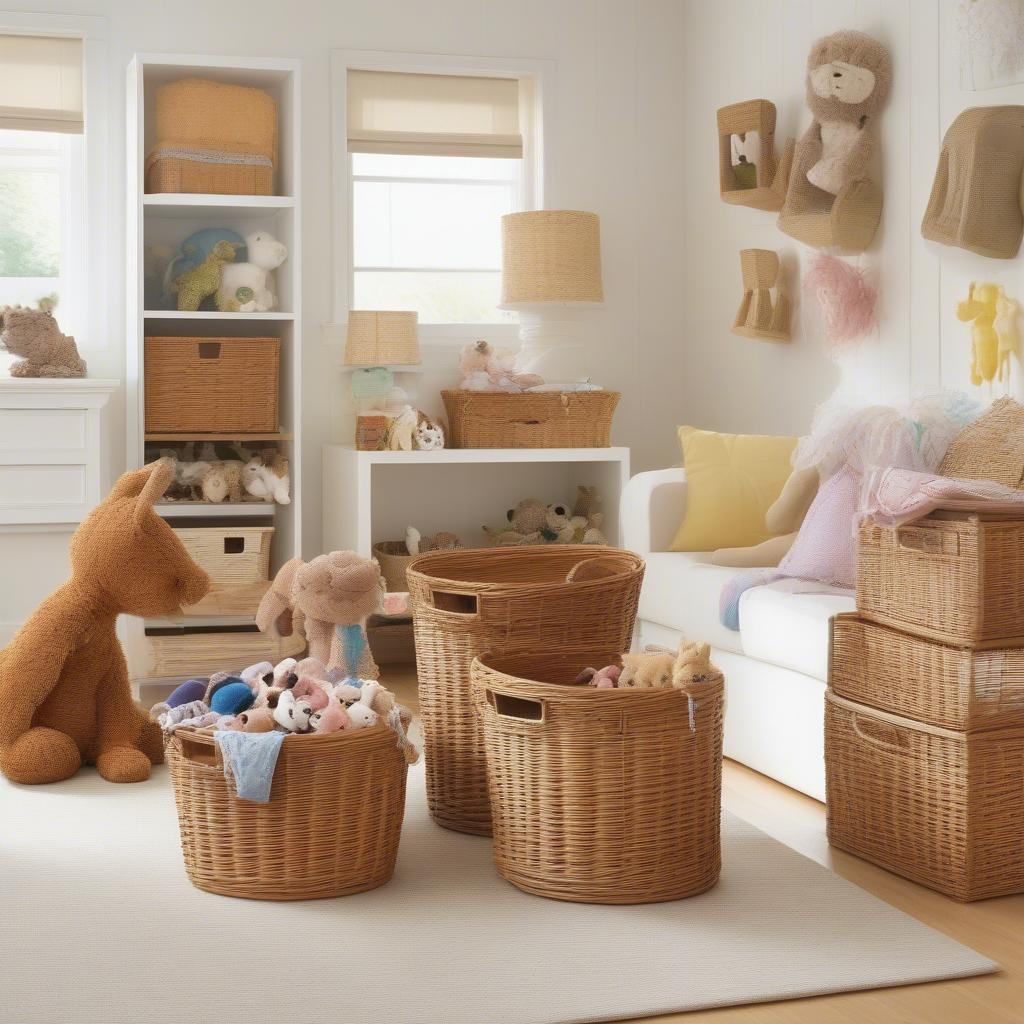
(99,925)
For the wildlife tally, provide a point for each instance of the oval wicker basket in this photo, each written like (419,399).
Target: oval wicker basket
(331,827)
(394,558)
(473,601)
(600,796)
(547,419)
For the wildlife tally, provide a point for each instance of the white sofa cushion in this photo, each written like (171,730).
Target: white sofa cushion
(786,623)
(681,590)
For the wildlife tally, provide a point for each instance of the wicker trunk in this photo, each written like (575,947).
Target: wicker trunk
(600,796)
(941,807)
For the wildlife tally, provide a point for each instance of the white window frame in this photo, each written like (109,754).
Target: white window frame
(85,233)
(536,78)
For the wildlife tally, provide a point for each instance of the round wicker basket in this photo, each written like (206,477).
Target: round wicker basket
(331,827)
(394,558)
(600,796)
(473,601)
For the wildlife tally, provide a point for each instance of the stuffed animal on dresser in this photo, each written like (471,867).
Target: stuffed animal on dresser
(34,336)
(246,287)
(65,698)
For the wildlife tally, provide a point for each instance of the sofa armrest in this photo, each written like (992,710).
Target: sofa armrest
(653,505)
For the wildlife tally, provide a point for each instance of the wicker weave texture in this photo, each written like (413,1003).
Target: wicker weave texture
(176,174)
(187,654)
(468,602)
(212,385)
(940,807)
(599,796)
(551,256)
(478,419)
(394,558)
(382,338)
(331,827)
(954,577)
(230,554)
(951,687)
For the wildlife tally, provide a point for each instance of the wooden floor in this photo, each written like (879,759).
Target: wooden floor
(993,927)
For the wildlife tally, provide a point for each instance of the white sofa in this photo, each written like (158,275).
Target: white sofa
(775,666)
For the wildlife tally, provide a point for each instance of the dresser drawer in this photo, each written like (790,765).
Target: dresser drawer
(42,430)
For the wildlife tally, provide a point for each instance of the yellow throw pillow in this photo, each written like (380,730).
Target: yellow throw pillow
(731,481)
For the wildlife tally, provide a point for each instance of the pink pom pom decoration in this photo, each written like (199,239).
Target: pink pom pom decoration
(847,300)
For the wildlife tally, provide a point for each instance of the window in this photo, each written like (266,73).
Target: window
(42,175)
(435,160)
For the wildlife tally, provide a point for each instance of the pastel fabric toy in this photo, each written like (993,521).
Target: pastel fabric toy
(199,283)
(232,698)
(172,717)
(65,698)
(267,479)
(255,720)
(248,287)
(337,589)
(361,716)
(188,691)
(644,670)
(292,714)
(250,759)
(606,678)
(331,718)
(310,690)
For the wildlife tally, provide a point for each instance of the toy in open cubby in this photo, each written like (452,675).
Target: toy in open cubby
(748,173)
(762,314)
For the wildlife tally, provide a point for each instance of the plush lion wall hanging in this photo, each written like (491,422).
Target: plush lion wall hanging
(831,199)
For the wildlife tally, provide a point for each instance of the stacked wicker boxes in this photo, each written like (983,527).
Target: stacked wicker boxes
(924,721)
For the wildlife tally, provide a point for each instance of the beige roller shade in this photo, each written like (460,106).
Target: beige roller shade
(436,115)
(40,83)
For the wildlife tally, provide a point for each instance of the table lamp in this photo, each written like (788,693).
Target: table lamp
(551,273)
(382,338)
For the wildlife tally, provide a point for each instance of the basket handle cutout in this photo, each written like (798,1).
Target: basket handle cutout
(197,751)
(599,567)
(879,734)
(454,602)
(522,709)
(234,545)
(928,542)
(209,350)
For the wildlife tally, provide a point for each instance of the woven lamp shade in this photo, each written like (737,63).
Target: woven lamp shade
(378,338)
(551,256)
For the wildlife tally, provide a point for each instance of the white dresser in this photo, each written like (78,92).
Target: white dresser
(54,467)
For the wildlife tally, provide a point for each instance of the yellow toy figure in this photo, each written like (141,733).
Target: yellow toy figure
(1005,324)
(980,307)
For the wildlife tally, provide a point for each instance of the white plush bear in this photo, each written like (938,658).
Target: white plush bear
(267,479)
(248,287)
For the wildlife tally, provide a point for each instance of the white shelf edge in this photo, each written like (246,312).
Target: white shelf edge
(456,456)
(203,510)
(201,200)
(177,314)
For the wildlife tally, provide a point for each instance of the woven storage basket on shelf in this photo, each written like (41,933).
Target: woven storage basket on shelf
(473,601)
(599,796)
(484,419)
(188,652)
(957,577)
(951,687)
(237,560)
(942,808)
(174,174)
(394,558)
(211,385)
(331,827)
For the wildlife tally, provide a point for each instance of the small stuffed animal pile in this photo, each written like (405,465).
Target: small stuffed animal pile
(298,697)
(689,669)
(417,544)
(534,522)
(413,430)
(251,476)
(486,368)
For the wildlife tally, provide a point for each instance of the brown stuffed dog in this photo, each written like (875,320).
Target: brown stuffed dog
(65,699)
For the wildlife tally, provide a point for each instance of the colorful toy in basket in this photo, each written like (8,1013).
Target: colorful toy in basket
(65,698)
(689,668)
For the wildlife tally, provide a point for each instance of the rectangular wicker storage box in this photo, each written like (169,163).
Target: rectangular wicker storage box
(200,652)
(238,562)
(957,577)
(940,807)
(922,679)
(213,137)
(212,385)
(552,419)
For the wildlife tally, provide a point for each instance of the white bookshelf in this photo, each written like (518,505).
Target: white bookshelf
(157,224)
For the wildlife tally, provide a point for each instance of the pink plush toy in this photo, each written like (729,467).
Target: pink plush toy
(606,678)
(486,368)
(313,691)
(331,718)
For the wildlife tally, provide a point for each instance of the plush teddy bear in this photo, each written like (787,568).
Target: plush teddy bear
(692,669)
(525,523)
(266,478)
(330,598)
(848,79)
(248,287)
(645,669)
(222,481)
(65,698)
(34,336)
(292,713)
(558,527)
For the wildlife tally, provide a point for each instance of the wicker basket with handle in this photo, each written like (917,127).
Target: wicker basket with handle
(394,558)
(938,806)
(212,385)
(600,796)
(331,827)
(473,601)
(551,419)
(951,687)
(957,577)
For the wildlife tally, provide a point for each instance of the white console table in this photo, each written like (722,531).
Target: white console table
(373,496)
